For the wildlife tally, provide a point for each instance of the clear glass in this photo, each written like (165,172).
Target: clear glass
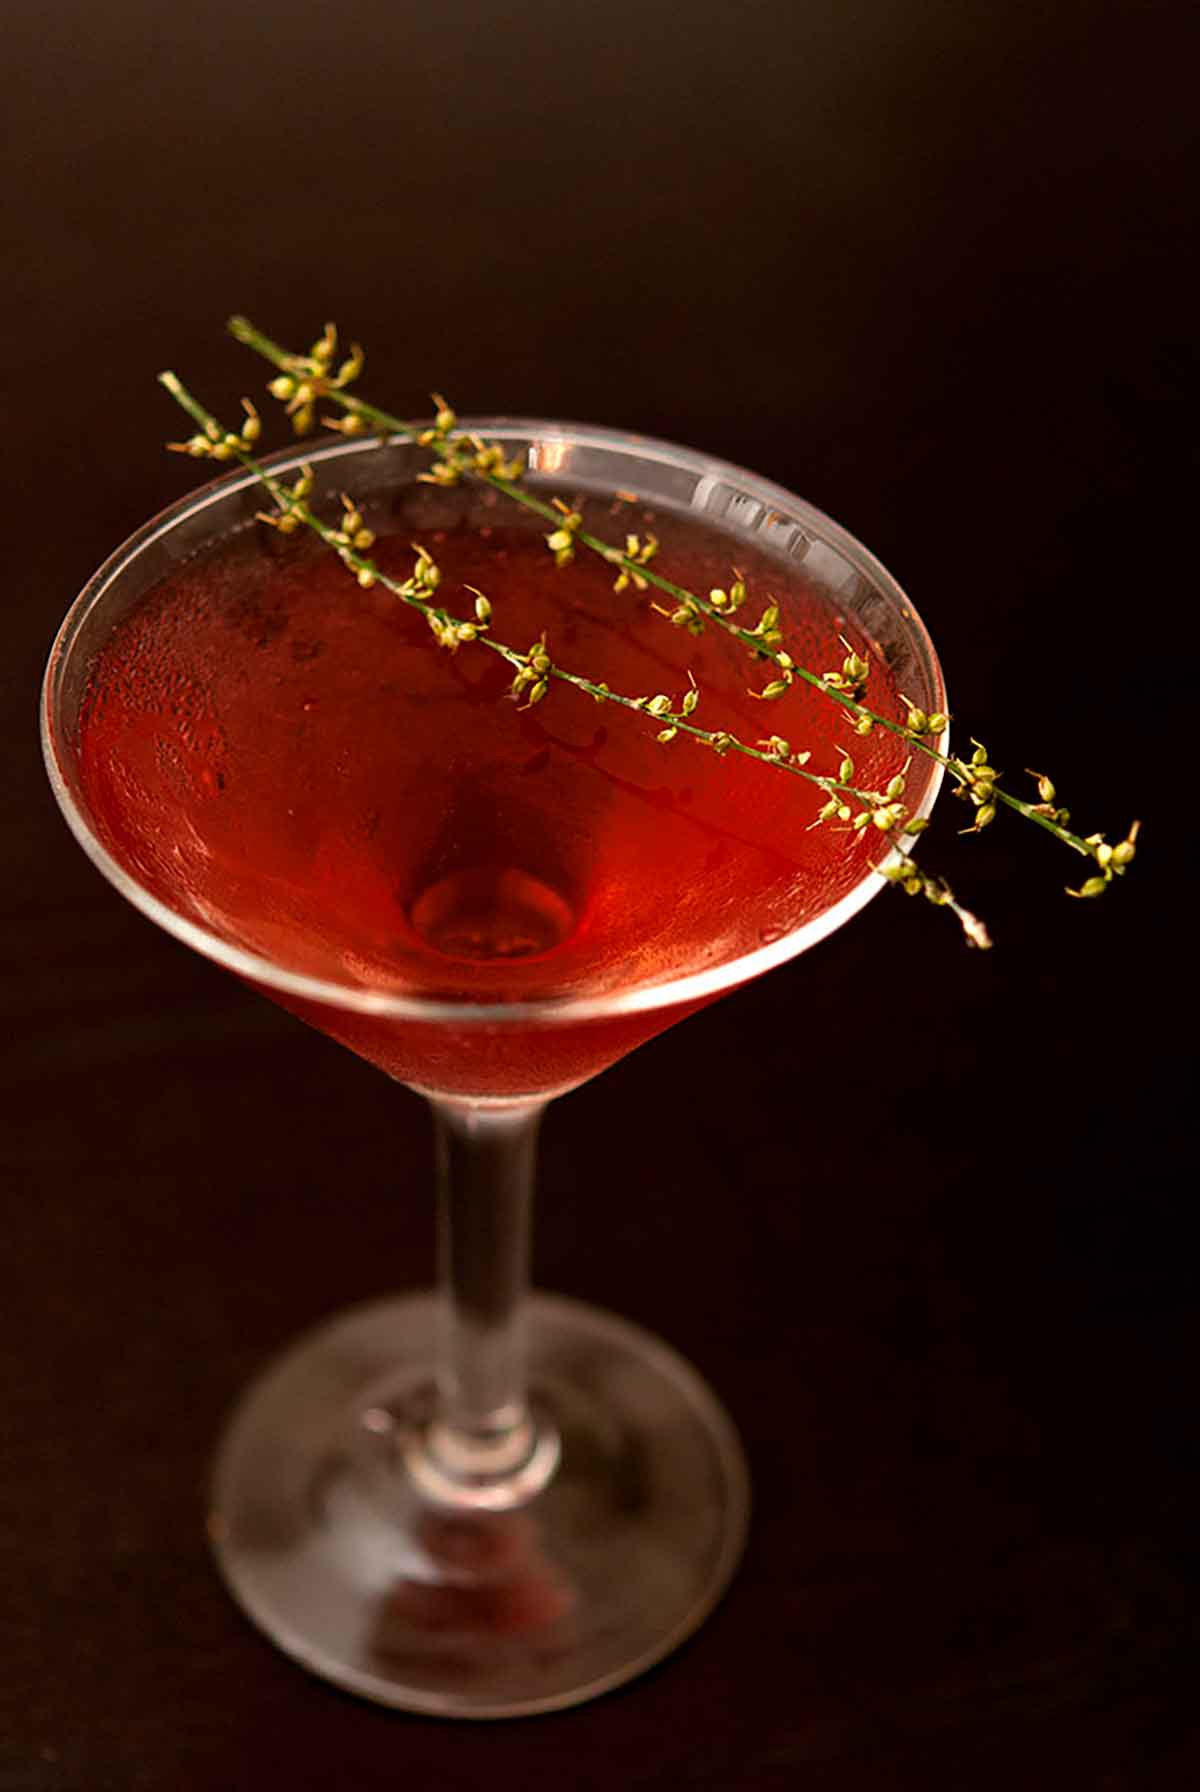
(482,1502)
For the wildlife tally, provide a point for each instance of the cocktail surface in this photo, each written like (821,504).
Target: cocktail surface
(296,764)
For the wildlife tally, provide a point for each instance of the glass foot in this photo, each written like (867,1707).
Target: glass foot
(330,1546)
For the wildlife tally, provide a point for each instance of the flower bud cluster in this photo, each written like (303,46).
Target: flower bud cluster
(293,511)
(561,540)
(780,750)
(1113,861)
(919,724)
(977,782)
(532,680)
(728,603)
(852,679)
(637,553)
(214,443)
(459,453)
(310,378)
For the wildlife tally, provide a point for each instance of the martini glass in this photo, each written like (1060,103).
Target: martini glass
(478,1502)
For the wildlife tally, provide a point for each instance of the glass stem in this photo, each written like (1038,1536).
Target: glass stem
(485,1448)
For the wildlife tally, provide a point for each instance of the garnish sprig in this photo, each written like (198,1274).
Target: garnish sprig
(462,455)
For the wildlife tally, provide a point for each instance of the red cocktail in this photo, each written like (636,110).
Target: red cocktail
(490,901)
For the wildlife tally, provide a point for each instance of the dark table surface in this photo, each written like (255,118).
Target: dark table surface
(931,265)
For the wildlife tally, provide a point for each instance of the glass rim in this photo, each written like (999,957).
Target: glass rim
(691,986)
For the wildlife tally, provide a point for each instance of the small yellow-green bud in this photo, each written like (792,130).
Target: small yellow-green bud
(284,387)
(690,700)
(483,608)
(366,577)
(1095,886)
(666,734)
(658,706)
(776,688)
(986,815)
(845,771)
(539,691)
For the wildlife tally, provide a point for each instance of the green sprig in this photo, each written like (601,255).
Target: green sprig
(304,380)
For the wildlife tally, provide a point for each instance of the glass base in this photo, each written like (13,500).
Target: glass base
(330,1546)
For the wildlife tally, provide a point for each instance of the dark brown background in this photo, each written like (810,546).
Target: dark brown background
(917,1213)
